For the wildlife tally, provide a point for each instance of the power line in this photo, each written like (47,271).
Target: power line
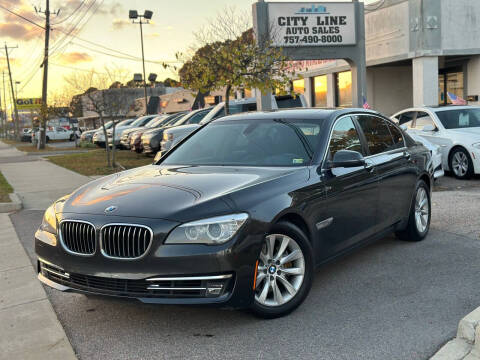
(73,12)
(23,17)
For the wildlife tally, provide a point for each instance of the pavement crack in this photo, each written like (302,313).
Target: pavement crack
(24,303)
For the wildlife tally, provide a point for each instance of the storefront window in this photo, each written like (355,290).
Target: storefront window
(320,84)
(299,86)
(344,89)
(449,82)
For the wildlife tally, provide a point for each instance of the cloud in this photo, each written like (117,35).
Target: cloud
(152,35)
(75,57)
(20,31)
(119,24)
(13,62)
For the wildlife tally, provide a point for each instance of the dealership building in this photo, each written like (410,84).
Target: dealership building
(416,52)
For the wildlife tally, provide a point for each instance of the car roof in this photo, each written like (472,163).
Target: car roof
(298,113)
(438,108)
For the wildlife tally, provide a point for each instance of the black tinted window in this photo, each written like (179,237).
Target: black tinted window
(288,102)
(345,137)
(249,143)
(397,136)
(462,118)
(378,136)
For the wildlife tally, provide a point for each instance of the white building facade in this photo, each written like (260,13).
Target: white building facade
(417,51)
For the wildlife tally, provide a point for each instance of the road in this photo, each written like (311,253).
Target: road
(390,300)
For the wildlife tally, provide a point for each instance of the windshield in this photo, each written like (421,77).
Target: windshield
(141,121)
(249,143)
(156,121)
(459,119)
(124,122)
(108,125)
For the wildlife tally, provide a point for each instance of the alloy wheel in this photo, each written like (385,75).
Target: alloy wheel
(460,164)
(422,210)
(280,271)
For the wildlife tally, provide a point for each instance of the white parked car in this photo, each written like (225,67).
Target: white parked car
(58,133)
(435,150)
(456,129)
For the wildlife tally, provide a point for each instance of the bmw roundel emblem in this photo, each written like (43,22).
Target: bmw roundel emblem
(110,209)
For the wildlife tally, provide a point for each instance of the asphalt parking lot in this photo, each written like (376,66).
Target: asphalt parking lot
(390,300)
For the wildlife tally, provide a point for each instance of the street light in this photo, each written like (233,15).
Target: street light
(147,16)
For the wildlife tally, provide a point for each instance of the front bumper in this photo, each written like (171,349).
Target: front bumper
(167,274)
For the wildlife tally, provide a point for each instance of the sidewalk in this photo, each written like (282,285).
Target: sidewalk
(38,183)
(30,328)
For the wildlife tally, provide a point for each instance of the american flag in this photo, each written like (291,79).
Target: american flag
(456,100)
(365,104)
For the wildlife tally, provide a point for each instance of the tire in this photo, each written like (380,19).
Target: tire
(47,139)
(72,137)
(420,215)
(460,163)
(274,277)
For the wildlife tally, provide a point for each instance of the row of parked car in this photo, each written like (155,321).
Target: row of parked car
(152,134)
(451,133)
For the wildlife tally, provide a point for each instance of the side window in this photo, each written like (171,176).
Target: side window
(423,119)
(378,136)
(397,136)
(406,119)
(345,137)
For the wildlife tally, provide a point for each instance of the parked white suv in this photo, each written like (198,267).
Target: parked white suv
(57,133)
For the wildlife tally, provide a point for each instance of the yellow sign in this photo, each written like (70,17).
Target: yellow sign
(27,104)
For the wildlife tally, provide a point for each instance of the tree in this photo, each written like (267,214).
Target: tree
(99,99)
(231,58)
(169,82)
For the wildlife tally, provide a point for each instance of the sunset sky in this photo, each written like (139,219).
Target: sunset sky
(104,24)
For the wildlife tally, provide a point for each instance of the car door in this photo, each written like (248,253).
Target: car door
(394,168)
(348,213)
(436,136)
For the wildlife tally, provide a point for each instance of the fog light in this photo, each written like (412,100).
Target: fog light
(214,289)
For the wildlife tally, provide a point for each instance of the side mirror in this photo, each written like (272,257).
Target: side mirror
(346,159)
(403,127)
(429,128)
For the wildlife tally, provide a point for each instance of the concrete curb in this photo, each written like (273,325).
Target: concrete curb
(15,205)
(466,346)
(30,328)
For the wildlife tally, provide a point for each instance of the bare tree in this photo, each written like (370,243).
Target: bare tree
(99,99)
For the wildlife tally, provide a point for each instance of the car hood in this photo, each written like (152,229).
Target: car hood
(128,131)
(181,193)
(154,131)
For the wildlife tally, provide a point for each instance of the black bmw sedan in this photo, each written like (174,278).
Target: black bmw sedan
(242,212)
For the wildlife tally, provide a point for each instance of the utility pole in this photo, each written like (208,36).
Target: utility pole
(43,126)
(1,112)
(17,120)
(5,102)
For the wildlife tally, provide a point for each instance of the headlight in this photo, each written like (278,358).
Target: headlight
(49,222)
(477,145)
(213,231)
(167,136)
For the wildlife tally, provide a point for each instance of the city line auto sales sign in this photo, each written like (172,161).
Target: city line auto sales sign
(312,24)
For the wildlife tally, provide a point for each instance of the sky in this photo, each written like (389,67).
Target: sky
(100,27)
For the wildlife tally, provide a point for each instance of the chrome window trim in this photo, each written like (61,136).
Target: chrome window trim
(186,278)
(404,148)
(331,133)
(100,236)
(63,244)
